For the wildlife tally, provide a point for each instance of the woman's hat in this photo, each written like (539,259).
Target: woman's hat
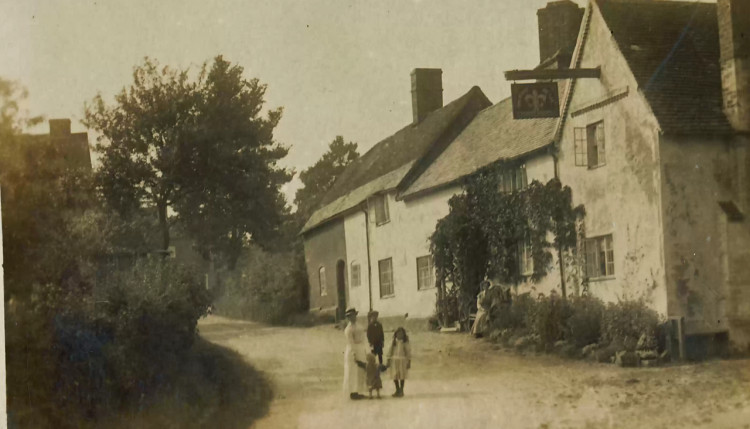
(350,311)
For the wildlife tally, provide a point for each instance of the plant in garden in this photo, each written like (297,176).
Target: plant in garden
(625,322)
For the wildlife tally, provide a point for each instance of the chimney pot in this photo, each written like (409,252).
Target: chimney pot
(59,127)
(426,92)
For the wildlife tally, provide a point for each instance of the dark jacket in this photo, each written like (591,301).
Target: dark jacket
(375,334)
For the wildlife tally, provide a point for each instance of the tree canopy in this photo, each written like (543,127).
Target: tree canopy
(200,148)
(319,178)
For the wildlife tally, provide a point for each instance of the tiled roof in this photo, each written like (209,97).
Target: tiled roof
(491,137)
(672,49)
(388,162)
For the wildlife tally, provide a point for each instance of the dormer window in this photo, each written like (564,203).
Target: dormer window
(381,209)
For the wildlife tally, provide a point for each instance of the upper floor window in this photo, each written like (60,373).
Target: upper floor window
(425,272)
(513,178)
(381,209)
(600,257)
(589,145)
(385,268)
(322,281)
(356,276)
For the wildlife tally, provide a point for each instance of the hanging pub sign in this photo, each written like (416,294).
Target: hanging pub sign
(535,100)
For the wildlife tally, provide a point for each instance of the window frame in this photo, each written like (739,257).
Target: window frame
(600,259)
(322,281)
(355,281)
(386,217)
(381,272)
(589,145)
(513,178)
(525,257)
(430,276)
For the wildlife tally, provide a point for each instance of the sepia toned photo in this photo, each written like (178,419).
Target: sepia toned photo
(387,214)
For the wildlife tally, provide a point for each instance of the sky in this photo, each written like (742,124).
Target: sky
(338,67)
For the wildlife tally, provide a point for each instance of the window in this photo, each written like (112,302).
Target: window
(525,258)
(425,273)
(356,279)
(322,281)
(381,209)
(386,277)
(600,257)
(589,145)
(513,179)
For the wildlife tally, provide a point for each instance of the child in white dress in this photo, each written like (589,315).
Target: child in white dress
(399,359)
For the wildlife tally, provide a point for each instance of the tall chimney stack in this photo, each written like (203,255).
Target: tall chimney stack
(426,92)
(59,128)
(559,23)
(734,39)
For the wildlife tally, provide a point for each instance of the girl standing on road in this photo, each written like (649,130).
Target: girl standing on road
(400,358)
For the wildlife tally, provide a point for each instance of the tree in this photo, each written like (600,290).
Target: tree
(319,178)
(143,139)
(231,182)
(200,148)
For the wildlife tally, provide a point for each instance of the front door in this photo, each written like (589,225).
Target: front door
(341,287)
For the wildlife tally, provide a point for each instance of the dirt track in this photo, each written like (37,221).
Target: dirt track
(458,382)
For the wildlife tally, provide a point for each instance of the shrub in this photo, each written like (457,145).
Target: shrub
(513,316)
(265,288)
(585,321)
(625,322)
(548,319)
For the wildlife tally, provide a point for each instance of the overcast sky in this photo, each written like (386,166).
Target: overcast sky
(337,67)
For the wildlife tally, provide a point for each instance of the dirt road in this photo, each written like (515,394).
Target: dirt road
(459,382)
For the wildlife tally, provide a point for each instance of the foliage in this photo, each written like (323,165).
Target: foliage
(549,319)
(266,287)
(484,228)
(13,117)
(199,147)
(514,316)
(584,323)
(319,178)
(625,321)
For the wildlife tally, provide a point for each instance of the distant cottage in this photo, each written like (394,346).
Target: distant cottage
(656,149)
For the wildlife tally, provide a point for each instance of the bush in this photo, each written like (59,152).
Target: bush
(265,287)
(584,326)
(625,322)
(548,319)
(513,316)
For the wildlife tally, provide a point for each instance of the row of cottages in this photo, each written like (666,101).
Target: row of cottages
(655,148)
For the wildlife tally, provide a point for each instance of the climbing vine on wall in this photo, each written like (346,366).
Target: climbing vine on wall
(481,235)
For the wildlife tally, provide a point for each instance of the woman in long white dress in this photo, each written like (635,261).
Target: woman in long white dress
(482,317)
(354,357)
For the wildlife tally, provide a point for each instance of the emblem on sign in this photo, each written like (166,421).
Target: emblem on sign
(535,100)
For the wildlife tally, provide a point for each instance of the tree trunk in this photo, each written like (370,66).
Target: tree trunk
(164,225)
(562,271)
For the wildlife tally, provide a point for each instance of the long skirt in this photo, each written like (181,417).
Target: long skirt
(354,376)
(481,323)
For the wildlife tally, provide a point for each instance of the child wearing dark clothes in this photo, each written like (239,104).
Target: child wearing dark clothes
(375,335)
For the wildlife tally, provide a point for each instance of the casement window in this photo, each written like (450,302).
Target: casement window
(322,281)
(600,257)
(356,276)
(525,258)
(381,209)
(589,145)
(425,273)
(513,179)
(385,268)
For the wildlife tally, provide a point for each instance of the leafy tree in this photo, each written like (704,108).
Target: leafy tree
(200,148)
(231,181)
(319,178)
(143,139)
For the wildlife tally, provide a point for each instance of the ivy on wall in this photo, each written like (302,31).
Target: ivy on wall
(480,236)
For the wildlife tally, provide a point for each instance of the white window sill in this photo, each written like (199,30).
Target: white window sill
(382,223)
(388,296)
(425,288)
(594,167)
(601,279)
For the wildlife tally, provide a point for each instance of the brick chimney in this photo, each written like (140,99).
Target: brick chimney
(734,39)
(59,128)
(426,92)
(559,23)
